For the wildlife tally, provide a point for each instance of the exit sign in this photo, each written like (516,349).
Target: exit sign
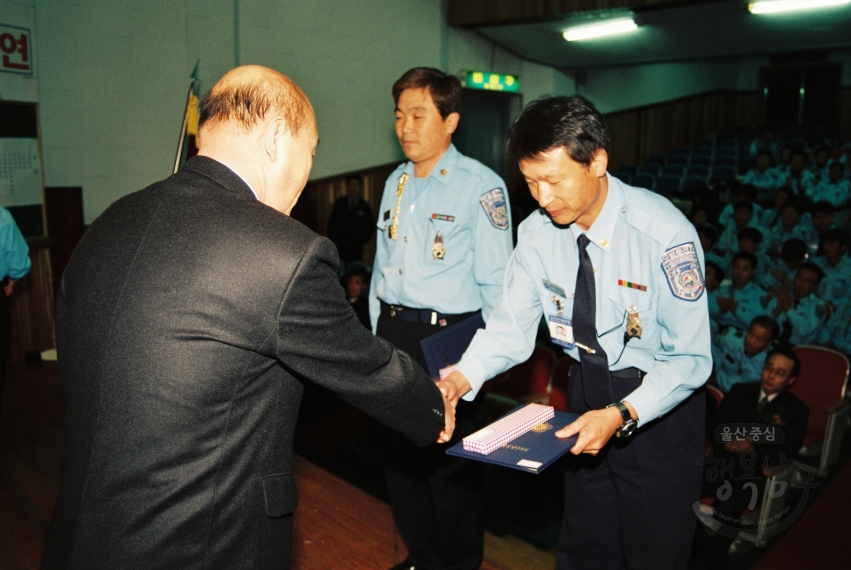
(493,81)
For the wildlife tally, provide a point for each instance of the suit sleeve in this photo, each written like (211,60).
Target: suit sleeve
(320,338)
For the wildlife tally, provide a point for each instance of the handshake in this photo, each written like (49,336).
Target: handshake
(452,387)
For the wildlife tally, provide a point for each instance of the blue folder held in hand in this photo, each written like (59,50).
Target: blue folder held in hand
(532,452)
(446,347)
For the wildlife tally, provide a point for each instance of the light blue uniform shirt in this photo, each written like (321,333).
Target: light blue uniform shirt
(750,305)
(732,365)
(838,328)
(630,236)
(15,261)
(461,200)
(837,280)
(837,193)
(806,318)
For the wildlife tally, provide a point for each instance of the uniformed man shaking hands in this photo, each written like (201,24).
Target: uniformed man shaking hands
(442,246)
(617,272)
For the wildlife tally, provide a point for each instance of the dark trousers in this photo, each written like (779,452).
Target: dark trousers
(5,338)
(437,500)
(631,505)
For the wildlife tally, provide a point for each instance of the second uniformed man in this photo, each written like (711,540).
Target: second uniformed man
(620,269)
(443,243)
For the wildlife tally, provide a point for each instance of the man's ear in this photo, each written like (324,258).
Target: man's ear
(791,381)
(275,139)
(599,163)
(452,122)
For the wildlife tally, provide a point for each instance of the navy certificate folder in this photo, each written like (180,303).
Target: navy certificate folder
(532,452)
(446,347)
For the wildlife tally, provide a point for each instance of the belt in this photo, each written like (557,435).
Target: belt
(631,372)
(409,315)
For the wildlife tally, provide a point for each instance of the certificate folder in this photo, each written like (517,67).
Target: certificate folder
(446,347)
(532,452)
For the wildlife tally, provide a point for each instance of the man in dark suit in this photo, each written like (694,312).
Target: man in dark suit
(187,321)
(351,224)
(767,404)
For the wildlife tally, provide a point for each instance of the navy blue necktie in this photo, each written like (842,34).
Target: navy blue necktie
(595,365)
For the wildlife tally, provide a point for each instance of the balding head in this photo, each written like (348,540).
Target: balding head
(248,94)
(259,124)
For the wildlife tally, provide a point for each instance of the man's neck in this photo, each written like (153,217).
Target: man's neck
(423,168)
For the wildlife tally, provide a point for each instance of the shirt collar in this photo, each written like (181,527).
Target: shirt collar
(762,395)
(602,230)
(443,168)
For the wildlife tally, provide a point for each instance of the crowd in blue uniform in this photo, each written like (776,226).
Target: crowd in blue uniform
(777,260)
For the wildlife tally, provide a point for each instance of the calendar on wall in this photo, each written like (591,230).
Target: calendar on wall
(20,172)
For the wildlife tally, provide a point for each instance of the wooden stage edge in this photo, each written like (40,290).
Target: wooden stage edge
(339,526)
(336,525)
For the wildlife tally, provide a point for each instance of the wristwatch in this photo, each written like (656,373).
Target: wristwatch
(628,425)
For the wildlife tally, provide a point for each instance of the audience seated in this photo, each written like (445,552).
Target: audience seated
(764,176)
(798,179)
(770,216)
(739,303)
(781,275)
(819,165)
(740,192)
(356,283)
(794,223)
(836,265)
(713,278)
(800,311)
(743,217)
(823,216)
(836,333)
(833,188)
(738,356)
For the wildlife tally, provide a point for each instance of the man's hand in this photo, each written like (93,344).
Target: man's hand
(595,429)
(449,419)
(9,287)
(453,387)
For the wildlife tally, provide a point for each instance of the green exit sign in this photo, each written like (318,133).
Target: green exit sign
(493,81)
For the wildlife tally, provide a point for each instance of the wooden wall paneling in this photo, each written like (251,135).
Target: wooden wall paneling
(314,206)
(657,129)
(33,327)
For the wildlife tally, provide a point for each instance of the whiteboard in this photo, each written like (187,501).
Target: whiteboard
(20,172)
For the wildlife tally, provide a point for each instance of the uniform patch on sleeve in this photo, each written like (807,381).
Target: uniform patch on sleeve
(682,269)
(494,204)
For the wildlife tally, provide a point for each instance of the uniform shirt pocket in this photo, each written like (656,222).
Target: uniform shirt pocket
(622,301)
(447,247)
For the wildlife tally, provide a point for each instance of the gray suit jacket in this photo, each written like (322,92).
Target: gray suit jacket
(187,320)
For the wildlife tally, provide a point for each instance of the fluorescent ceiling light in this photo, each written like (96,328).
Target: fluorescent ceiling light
(773,6)
(603,29)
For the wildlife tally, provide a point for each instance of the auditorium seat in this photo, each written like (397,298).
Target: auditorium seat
(724,173)
(692,182)
(698,170)
(644,181)
(675,169)
(668,184)
(821,386)
(630,169)
(652,168)
(701,160)
(656,159)
(679,159)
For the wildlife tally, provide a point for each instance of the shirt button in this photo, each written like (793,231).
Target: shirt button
(593,271)
(400,272)
(623,210)
(405,238)
(412,207)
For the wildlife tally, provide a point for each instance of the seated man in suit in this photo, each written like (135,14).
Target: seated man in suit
(768,406)
(188,321)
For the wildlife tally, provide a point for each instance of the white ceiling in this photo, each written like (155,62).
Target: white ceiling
(685,32)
